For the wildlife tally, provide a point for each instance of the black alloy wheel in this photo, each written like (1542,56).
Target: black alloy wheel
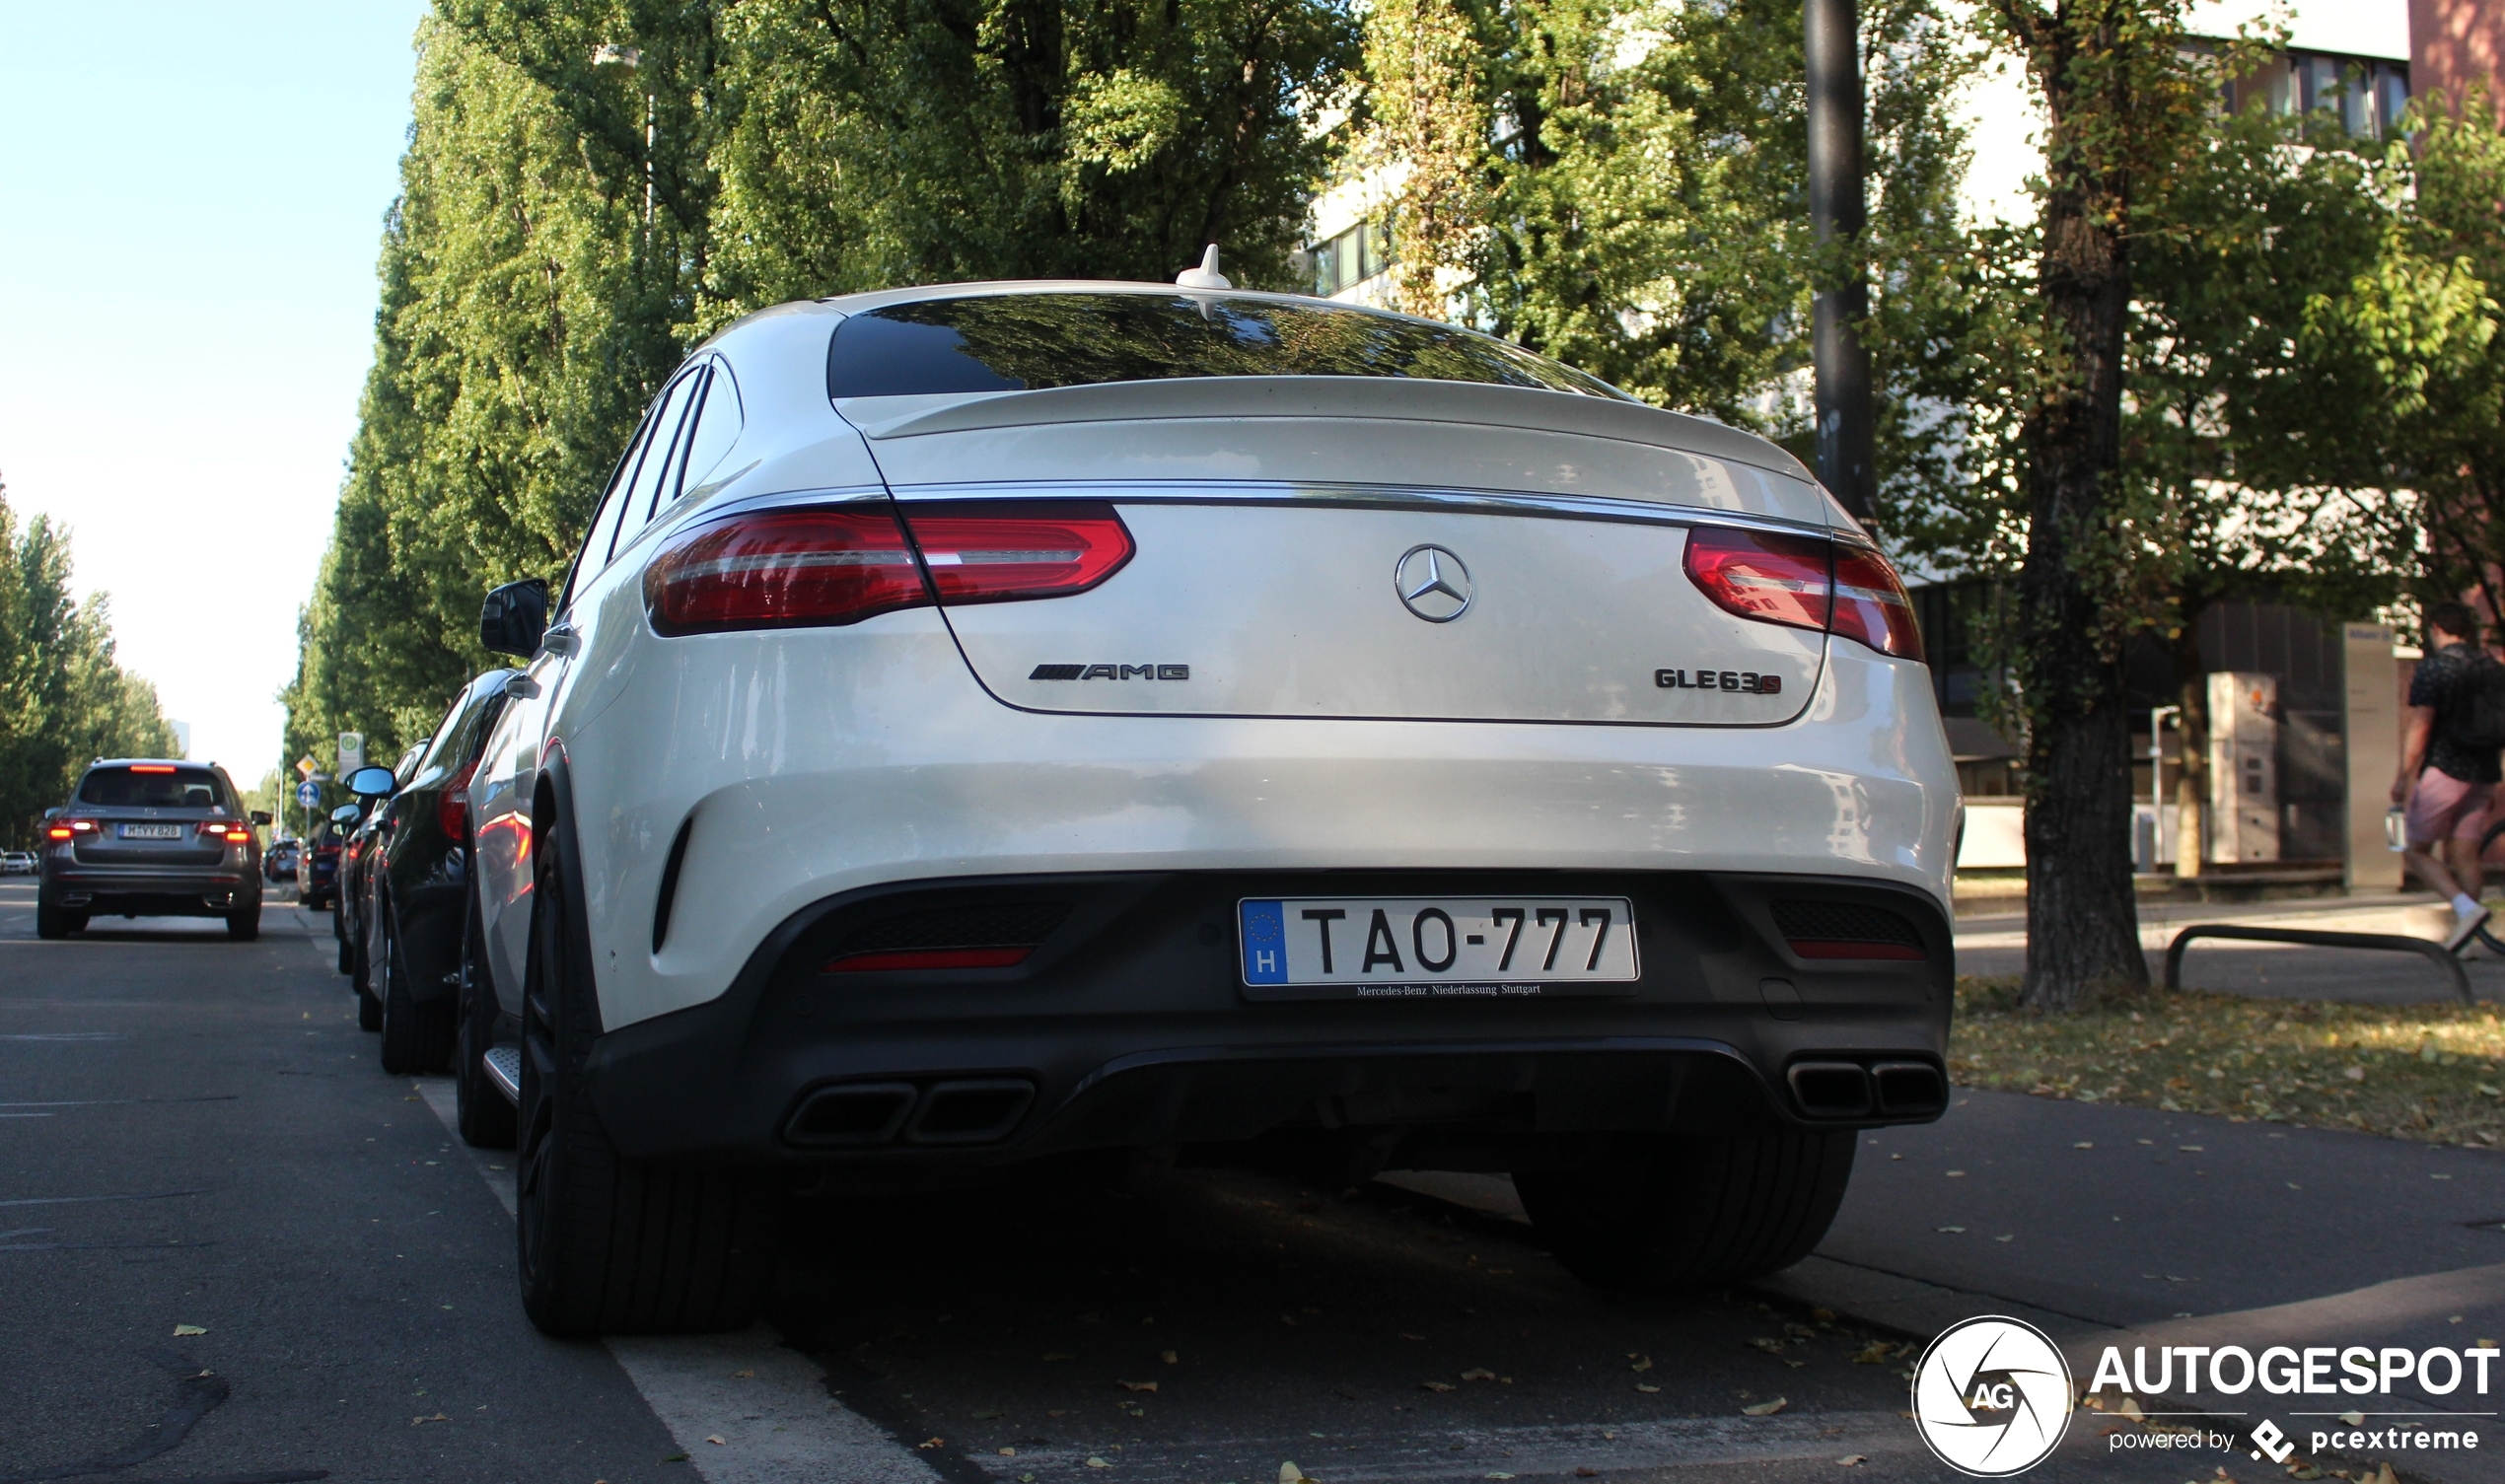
(50,921)
(612,1246)
(244,924)
(417,1035)
(1656,1213)
(486,1119)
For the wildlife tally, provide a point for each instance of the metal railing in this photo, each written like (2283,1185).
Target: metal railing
(2428,949)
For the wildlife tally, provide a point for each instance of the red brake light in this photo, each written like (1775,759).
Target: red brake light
(66,829)
(992,552)
(151,768)
(1806,583)
(783,569)
(1774,579)
(232,832)
(1871,603)
(452,806)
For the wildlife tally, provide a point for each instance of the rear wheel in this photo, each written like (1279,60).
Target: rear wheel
(244,924)
(417,1035)
(607,1244)
(487,1120)
(1661,1213)
(50,920)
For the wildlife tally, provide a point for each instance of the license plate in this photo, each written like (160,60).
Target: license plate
(1365,947)
(150,831)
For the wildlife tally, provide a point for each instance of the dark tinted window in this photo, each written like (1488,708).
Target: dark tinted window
(1013,343)
(146,787)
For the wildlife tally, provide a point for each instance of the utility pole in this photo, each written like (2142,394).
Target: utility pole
(1847,460)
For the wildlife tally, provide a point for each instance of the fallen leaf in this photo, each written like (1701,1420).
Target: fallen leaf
(1137,1385)
(743,1376)
(1009,1452)
(438,1417)
(1770,1347)
(1437,1385)
(2082,1144)
(1288,1474)
(1960,1230)
(2354,1419)
(179,1331)
(718,1441)
(2130,1408)
(1478,1373)
(1642,1365)
(674,1458)
(1767,1408)
(924,1444)
(2187,1149)
(1095,1462)
(1586,1471)
(1849,1459)
(1875,1353)
(1648,1390)
(1956,1174)
(1170,1358)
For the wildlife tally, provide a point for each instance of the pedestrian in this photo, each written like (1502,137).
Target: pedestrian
(2449,763)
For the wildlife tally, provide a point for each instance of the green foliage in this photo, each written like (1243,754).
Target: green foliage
(63,700)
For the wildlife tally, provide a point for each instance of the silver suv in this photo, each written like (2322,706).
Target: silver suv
(152,837)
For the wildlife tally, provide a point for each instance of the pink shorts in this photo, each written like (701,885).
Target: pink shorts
(2443,806)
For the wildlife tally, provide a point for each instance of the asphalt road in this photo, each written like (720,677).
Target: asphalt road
(193,1134)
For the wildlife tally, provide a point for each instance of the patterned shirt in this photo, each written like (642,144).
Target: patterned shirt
(2445,681)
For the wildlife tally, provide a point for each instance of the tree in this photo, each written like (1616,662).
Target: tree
(63,700)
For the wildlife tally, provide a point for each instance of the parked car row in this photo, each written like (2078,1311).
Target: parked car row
(18,863)
(400,873)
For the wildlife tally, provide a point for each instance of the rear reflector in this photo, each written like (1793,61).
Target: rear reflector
(452,805)
(783,569)
(1805,581)
(908,959)
(994,552)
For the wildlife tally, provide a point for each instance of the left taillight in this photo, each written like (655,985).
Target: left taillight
(452,806)
(821,568)
(783,569)
(1871,605)
(230,831)
(68,830)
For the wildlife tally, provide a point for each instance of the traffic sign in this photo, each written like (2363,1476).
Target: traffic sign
(308,793)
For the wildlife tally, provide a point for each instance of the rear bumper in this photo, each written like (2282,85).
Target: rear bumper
(1128,1027)
(205,892)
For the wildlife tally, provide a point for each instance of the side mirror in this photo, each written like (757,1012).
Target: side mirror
(370,783)
(260,816)
(49,813)
(345,813)
(514,617)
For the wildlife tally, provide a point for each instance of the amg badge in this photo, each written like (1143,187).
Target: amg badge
(1110,673)
(1748,682)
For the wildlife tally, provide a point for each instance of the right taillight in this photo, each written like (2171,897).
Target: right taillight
(783,569)
(1871,605)
(994,552)
(1805,581)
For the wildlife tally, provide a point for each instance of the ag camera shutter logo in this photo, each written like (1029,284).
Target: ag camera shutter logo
(1992,1396)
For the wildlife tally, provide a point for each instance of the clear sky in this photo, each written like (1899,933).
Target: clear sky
(191,199)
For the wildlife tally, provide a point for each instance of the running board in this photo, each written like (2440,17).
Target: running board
(503,1066)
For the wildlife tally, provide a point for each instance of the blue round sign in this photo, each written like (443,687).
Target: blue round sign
(308,793)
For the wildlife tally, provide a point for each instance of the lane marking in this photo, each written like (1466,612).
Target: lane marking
(777,1423)
(78,1200)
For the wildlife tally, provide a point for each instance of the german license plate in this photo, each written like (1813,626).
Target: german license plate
(1436,947)
(150,831)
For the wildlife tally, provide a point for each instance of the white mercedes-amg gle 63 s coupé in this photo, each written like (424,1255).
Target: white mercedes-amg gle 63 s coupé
(1083,722)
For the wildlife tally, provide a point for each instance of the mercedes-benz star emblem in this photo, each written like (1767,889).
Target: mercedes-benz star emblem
(1432,584)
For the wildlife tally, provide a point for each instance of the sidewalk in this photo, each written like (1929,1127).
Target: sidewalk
(1995,945)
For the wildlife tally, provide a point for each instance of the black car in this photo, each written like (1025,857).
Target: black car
(358,823)
(318,862)
(411,883)
(154,837)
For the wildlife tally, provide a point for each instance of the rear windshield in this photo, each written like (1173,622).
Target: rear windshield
(1021,342)
(160,787)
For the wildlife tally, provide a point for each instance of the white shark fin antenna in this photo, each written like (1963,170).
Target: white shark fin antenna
(1206,276)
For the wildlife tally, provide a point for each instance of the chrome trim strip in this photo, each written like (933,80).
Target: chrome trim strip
(848,494)
(1369,497)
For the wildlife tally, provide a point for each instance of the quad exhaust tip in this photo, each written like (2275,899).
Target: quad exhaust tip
(1849,1090)
(861,1116)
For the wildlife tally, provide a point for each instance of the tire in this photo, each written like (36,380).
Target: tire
(347,960)
(369,1010)
(244,924)
(417,1035)
(607,1244)
(1665,1213)
(50,920)
(486,1119)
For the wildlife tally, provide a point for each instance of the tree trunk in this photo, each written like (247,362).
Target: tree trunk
(2191,778)
(2082,922)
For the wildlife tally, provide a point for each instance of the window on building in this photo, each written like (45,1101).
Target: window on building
(1351,258)
(2367,94)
